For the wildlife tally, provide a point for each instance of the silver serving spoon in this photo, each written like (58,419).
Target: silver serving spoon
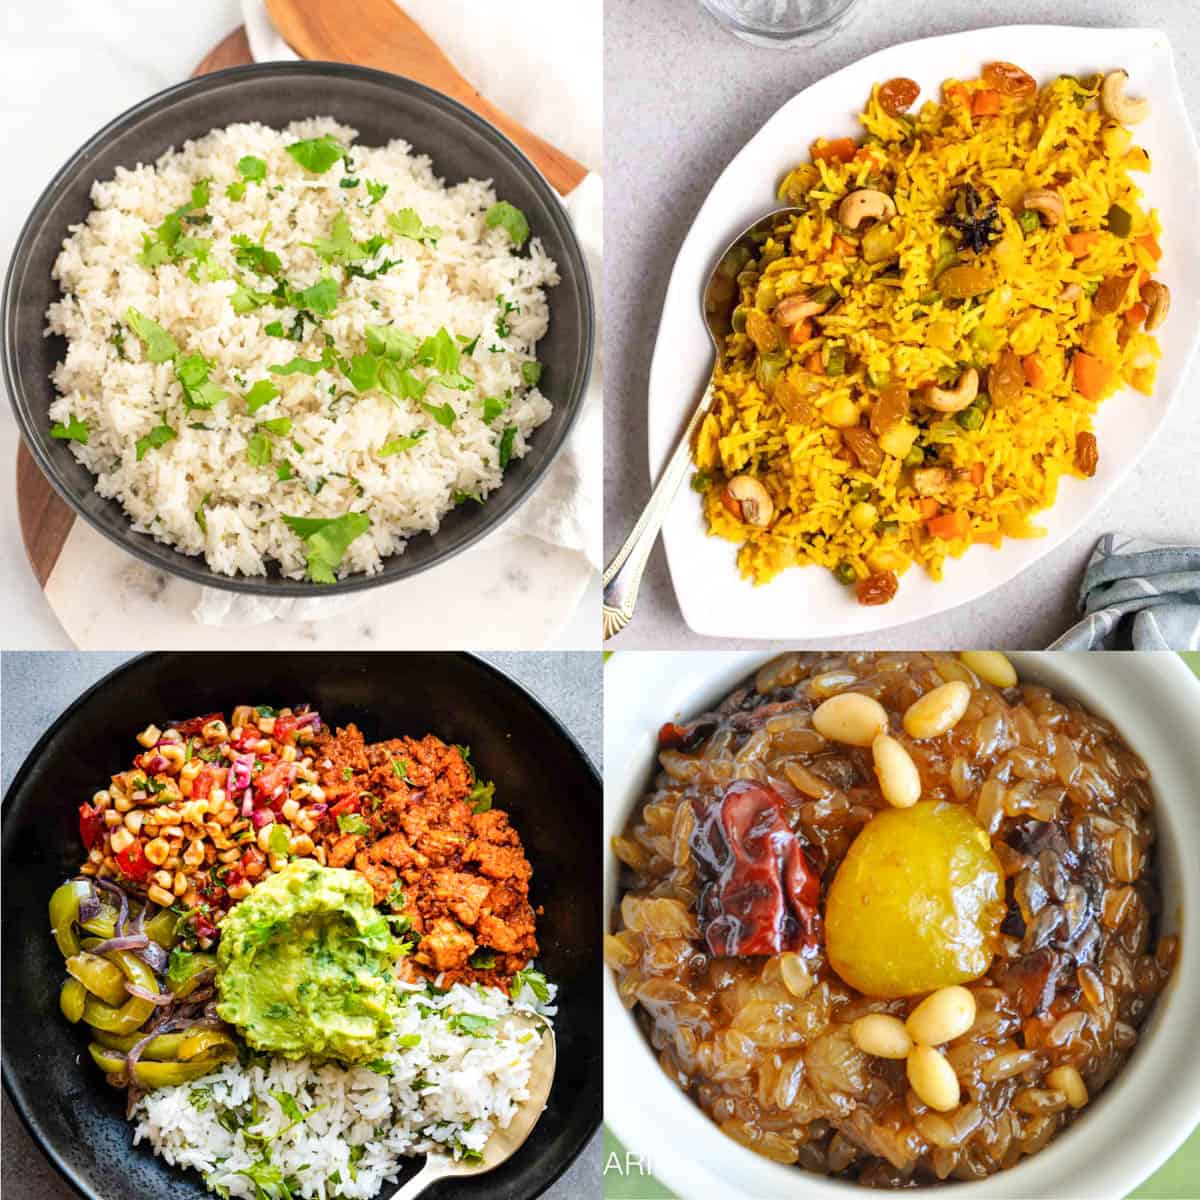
(623,575)
(504,1143)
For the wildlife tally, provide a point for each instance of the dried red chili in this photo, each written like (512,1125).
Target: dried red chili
(91,823)
(760,894)
(195,724)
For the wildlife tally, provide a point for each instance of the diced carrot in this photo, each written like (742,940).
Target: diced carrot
(977,473)
(927,506)
(949,525)
(1136,315)
(840,246)
(1091,375)
(1080,243)
(1149,243)
(1035,373)
(838,150)
(986,103)
(1142,279)
(800,332)
(814,363)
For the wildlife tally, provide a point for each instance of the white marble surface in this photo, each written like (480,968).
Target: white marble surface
(675,80)
(35,688)
(523,594)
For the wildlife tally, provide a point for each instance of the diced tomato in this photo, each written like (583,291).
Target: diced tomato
(206,779)
(838,150)
(195,724)
(133,863)
(285,727)
(350,804)
(91,823)
(248,735)
(204,927)
(670,735)
(271,783)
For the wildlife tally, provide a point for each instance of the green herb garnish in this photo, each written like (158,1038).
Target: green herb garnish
(326,540)
(70,430)
(160,435)
(510,219)
(318,154)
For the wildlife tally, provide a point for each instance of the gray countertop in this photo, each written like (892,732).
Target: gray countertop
(681,98)
(36,687)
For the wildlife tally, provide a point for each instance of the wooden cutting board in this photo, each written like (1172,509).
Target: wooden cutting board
(46,518)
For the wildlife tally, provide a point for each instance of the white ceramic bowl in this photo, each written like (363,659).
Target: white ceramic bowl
(808,601)
(1130,1129)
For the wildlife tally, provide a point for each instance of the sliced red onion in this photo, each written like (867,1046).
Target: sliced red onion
(130,941)
(89,907)
(122,898)
(155,763)
(241,772)
(145,994)
(154,956)
(262,816)
(310,720)
(317,810)
(202,995)
(170,1025)
(247,802)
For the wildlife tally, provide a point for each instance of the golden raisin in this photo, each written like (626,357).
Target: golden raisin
(1006,378)
(864,447)
(960,283)
(791,398)
(1009,79)
(762,331)
(1087,454)
(878,588)
(1110,295)
(891,409)
(897,95)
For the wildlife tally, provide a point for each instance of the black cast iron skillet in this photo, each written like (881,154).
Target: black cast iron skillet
(543,779)
(381,107)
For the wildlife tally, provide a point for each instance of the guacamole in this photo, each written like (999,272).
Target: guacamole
(305,966)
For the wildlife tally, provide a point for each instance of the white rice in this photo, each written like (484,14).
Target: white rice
(454,285)
(448,1093)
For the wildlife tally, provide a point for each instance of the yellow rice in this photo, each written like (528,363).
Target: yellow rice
(893,331)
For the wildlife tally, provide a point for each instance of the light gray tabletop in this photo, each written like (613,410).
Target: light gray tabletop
(36,687)
(681,99)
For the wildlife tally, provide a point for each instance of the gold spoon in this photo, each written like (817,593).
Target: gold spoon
(379,34)
(504,1143)
(623,575)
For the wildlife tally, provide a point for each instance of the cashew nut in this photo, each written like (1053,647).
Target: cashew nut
(1157,297)
(1046,202)
(1070,292)
(1118,105)
(863,205)
(947,401)
(794,309)
(751,500)
(930,481)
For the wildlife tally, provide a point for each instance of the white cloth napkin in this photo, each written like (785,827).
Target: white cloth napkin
(548,95)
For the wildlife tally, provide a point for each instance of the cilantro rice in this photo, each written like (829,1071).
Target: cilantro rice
(286,348)
(457,1073)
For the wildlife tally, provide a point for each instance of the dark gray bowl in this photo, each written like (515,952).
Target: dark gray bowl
(380,106)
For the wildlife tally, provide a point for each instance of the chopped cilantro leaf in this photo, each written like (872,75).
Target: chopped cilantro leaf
(379,1065)
(391,343)
(340,246)
(304,366)
(287,1102)
(534,980)
(504,450)
(254,257)
(258,450)
(326,540)
(407,224)
(321,298)
(70,430)
(352,823)
(509,218)
(531,372)
(346,182)
(471,1024)
(280,426)
(376,191)
(364,372)
(278,842)
(160,435)
(443,414)
(192,373)
(483,959)
(400,444)
(283,471)
(160,345)
(481,796)
(253,170)
(493,406)
(439,352)
(317,154)
(260,395)
(201,519)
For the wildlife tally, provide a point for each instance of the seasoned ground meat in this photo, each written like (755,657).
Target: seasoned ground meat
(400,813)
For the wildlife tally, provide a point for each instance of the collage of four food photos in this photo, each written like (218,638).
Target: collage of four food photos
(601,601)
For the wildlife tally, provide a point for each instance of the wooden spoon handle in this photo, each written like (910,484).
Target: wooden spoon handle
(382,36)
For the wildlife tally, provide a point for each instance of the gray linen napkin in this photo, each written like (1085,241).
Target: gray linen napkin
(1137,595)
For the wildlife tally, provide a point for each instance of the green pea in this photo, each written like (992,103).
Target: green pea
(970,418)
(845,573)
(915,457)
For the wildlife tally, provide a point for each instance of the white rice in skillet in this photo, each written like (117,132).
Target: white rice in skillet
(202,490)
(447,1093)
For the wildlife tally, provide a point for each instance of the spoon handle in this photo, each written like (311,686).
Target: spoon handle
(429,1174)
(623,575)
